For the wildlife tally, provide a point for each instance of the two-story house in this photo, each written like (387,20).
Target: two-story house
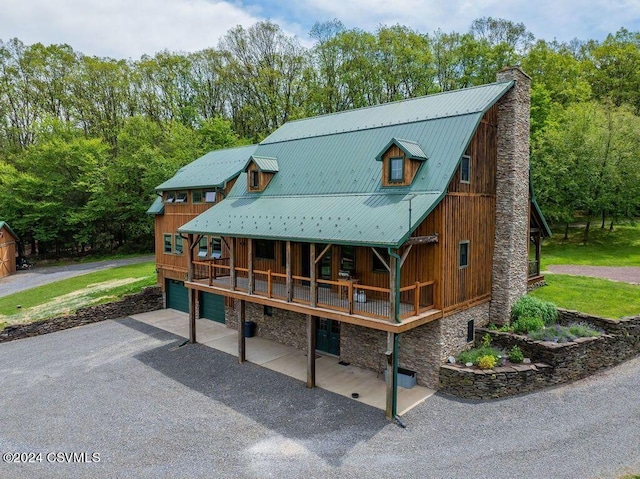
(381,235)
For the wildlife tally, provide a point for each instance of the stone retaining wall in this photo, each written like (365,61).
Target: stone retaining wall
(553,363)
(149,299)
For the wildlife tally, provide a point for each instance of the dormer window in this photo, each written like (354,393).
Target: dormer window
(254,179)
(260,170)
(396,170)
(401,160)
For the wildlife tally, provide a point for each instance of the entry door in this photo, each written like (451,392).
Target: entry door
(328,336)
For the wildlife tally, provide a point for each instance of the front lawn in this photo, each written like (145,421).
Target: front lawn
(599,297)
(68,295)
(620,247)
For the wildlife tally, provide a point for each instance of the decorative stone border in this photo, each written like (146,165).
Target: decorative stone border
(555,363)
(149,299)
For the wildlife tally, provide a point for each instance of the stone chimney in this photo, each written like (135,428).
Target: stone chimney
(510,253)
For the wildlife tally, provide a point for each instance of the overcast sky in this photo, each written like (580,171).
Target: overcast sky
(131,28)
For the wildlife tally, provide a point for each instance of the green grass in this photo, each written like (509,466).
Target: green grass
(620,247)
(70,294)
(596,296)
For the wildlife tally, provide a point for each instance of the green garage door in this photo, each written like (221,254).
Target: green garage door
(177,295)
(212,307)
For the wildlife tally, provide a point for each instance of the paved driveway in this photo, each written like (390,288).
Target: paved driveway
(48,274)
(124,389)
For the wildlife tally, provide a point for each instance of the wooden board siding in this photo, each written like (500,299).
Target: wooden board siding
(410,167)
(470,218)
(7,253)
(175,215)
(483,151)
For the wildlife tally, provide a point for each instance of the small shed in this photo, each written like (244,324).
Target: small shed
(8,241)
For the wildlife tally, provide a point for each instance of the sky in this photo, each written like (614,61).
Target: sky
(130,28)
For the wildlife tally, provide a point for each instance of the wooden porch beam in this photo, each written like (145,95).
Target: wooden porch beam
(232,264)
(289,273)
(251,281)
(386,265)
(405,254)
(313,294)
(311,351)
(193,295)
(195,242)
(241,325)
(422,239)
(323,252)
(222,238)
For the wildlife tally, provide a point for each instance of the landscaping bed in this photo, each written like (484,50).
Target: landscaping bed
(546,362)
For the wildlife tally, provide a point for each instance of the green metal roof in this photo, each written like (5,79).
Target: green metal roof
(4,224)
(157,208)
(213,169)
(430,107)
(410,148)
(329,185)
(266,164)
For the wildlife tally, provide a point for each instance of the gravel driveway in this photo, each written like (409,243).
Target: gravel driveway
(27,279)
(626,274)
(124,390)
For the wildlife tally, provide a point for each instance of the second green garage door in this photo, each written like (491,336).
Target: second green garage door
(212,307)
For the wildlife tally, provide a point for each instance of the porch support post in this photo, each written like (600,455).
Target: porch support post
(232,263)
(250,264)
(289,275)
(393,285)
(391,408)
(193,294)
(313,294)
(311,351)
(241,322)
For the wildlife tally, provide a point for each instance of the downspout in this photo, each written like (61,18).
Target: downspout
(394,409)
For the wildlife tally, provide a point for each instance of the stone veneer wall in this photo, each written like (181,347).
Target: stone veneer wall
(554,363)
(422,349)
(512,196)
(286,327)
(149,299)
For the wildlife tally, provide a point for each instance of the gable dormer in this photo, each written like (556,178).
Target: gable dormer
(400,162)
(260,170)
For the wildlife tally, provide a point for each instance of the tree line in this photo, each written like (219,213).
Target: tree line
(84,140)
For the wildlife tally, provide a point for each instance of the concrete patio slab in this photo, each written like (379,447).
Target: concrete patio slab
(342,379)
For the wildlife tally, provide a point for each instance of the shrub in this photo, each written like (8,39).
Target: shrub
(534,308)
(583,330)
(473,355)
(527,324)
(555,333)
(515,355)
(487,361)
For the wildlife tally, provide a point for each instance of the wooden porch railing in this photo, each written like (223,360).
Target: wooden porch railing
(342,295)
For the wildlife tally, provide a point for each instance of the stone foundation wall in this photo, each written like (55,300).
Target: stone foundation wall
(454,329)
(149,299)
(286,327)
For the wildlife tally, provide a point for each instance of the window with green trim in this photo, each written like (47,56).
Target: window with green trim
(197,196)
(463,254)
(168,243)
(202,247)
(396,170)
(465,169)
(178,248)
(265,249)
(216,247)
